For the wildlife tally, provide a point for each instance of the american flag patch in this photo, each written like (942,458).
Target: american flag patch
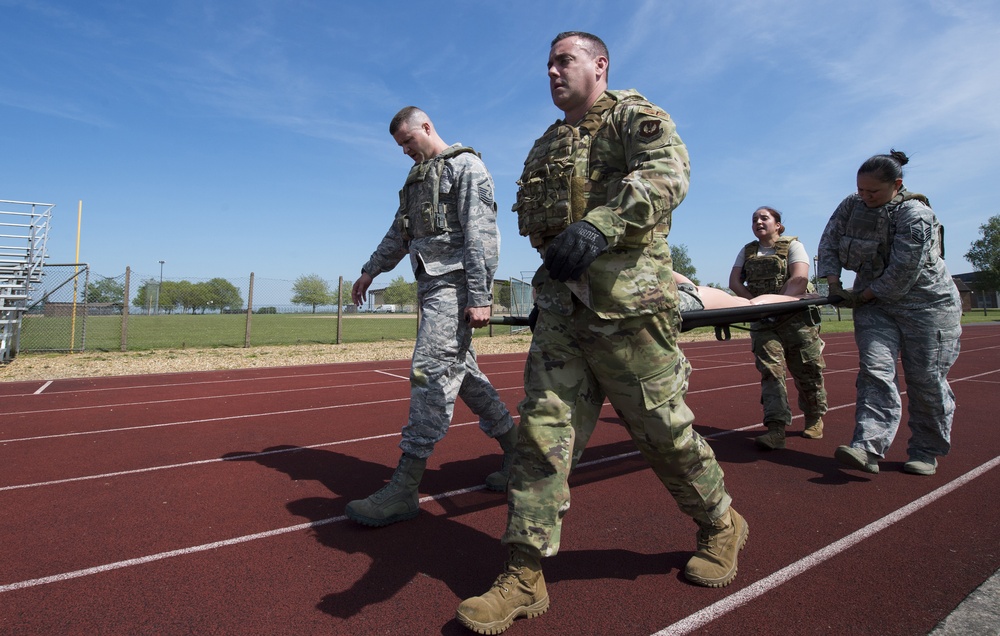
(920,231)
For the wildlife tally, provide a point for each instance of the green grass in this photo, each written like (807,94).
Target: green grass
(103,333)
(176,331)
(831,324)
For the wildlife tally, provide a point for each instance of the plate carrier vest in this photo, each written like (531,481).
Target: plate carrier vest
(422,210)
(561,182)
(766,274)
(867,238)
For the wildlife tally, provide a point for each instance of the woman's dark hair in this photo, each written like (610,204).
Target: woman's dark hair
(885,168)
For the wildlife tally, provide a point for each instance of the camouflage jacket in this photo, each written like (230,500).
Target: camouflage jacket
(634,173)
(895,249)
(466,239)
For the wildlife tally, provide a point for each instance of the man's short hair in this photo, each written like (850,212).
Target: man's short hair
(408,115)
(591,43)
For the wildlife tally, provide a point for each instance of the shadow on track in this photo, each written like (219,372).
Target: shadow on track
(434,545)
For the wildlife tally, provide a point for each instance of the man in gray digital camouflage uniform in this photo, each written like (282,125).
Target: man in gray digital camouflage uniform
(595,198)
(446,222)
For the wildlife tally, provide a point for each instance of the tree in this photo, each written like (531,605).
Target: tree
(501,293)
(223,295)
(171,294)
(150,296)
(345,293)
(682,262)
(183,293)
(985,255)
(312,290)
(399,292)
(105,290)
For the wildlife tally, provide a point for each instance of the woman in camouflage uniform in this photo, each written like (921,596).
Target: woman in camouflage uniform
(906,306)
(776,264)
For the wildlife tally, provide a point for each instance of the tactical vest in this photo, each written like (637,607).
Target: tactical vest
(766,274)
(867,239)
(423,211)
(562,181)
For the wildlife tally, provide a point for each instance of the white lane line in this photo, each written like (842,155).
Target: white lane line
(214,460)
(197,398)
(117,565)
(220,396)
(321,445)
(65,576)
(699,619)
(203,421)
(759,588)
(393,375)
(240,380)
(43,387)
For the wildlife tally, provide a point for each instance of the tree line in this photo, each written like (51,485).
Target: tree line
(217,294)
(314,291)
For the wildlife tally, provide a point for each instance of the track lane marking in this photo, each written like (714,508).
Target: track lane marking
(759,588)
(43,387)
(282,391)
(392,375)
(360,439)
(214,460)
(692,622)
(210,397)
(284,376)
(202,421)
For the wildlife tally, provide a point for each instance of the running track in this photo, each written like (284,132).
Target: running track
(211,503)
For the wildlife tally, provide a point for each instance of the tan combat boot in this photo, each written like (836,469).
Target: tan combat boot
(814,428)
(498,481)
(719,544)
(773,439)
(396,501)
(518,591)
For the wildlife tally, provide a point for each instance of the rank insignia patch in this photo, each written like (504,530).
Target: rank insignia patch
(920,231)
(649,130)
(486,193)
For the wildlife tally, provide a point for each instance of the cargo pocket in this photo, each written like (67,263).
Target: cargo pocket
(664,384)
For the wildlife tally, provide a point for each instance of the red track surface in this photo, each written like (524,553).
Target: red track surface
(211,503)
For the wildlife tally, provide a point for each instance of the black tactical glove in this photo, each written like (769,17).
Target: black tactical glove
(533,318)
(845,297)
(573,250)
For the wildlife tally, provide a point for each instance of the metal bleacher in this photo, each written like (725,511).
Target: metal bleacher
(24,229)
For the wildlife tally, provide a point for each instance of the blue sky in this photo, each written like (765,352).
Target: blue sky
(230,137)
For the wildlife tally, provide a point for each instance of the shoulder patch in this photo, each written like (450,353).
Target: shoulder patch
(650,130)
(920,231)
(486,192)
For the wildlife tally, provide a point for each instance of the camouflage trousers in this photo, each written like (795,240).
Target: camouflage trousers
(444,367)
(793,344)
(926,340)
(637,364)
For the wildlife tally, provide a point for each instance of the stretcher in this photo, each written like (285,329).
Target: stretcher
(721,319)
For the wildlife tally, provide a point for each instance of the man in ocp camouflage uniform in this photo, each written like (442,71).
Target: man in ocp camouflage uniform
(595,198)
(446,222)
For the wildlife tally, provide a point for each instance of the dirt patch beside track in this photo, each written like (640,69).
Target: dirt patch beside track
(54,366)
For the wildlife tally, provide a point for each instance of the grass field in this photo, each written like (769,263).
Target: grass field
(178,331)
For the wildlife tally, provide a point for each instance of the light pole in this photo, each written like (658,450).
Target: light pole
(159,288)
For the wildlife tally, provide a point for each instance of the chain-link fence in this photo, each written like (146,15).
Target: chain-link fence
(76,310)
(56,316)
